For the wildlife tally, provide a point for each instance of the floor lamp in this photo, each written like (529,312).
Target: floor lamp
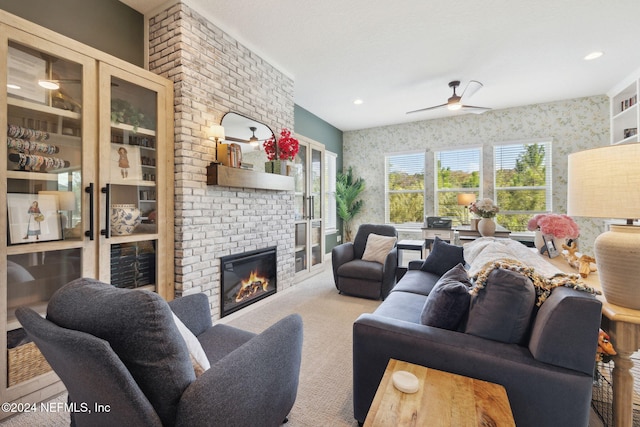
(605,183)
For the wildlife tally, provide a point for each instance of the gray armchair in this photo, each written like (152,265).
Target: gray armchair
(120,349)
(355,276)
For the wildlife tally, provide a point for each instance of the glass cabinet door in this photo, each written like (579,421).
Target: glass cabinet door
(131,167)
(301,209)
(308,206)
(49,121)
(316,201)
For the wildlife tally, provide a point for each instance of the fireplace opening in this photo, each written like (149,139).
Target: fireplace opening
(247,278)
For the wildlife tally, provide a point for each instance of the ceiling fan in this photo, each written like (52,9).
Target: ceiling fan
(454,103)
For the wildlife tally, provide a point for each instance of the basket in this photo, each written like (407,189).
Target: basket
(25,362)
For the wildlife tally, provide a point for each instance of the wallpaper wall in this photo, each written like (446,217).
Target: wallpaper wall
(573,125)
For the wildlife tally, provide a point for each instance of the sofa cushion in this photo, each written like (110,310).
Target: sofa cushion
(417,282)
(443,257)
(378,247)
(403,306)
(448,302)
(139,327)
(502,310)
(361,269)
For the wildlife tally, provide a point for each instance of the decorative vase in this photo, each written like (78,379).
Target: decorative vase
(279,167)
(124,219)
(486,227)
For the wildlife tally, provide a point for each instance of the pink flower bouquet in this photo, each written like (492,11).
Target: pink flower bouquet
(557,225)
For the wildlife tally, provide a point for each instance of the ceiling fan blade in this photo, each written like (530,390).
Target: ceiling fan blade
(474,109)
(472,87)
(427,109)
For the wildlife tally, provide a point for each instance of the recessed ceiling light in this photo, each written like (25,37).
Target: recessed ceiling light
(593,55)
(358,101)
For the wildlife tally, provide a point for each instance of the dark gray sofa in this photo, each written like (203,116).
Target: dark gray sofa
(548,377)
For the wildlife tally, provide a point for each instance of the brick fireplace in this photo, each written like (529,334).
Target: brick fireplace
(214,74)
(247,278)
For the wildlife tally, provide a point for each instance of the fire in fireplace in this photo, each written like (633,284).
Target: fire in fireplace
(247,278)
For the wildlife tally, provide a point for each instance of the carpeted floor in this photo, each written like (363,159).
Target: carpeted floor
(325,390)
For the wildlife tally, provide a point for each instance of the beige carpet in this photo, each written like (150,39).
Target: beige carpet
(325,391)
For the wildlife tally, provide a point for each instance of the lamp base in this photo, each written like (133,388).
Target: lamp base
(618,260)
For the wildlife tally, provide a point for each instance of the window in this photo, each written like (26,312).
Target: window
(404,188)
(522,182)
(331,221)
(457,172)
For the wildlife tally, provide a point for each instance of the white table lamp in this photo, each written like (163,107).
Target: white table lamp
(605,183)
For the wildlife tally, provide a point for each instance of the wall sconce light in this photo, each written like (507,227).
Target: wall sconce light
(216,133)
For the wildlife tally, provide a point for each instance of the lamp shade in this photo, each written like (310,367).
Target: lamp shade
(465,199)
(216,132)
(605,183)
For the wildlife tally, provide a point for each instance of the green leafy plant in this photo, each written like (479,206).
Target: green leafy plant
(123,112)
(348,190)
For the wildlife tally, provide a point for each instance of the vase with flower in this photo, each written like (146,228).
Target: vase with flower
(486,210)
(281,152)
(559,227)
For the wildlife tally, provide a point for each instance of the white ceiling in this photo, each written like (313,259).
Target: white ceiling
(399,56)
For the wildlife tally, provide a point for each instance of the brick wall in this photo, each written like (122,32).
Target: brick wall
(214,74)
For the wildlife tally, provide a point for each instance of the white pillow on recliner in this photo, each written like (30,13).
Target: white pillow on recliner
(198,356)
(378,247)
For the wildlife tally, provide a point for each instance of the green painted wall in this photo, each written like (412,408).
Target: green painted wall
(314,127)
(107,25)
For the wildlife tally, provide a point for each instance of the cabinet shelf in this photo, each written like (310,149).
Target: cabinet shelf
(137,130)
(235,177)
(42,108)
(625,113)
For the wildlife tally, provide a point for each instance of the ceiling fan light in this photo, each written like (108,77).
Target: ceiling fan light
(454,106)
(49,84)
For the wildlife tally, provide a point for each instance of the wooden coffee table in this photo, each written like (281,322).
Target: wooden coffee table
(443,399)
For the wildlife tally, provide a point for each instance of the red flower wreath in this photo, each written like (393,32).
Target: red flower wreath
(286,148)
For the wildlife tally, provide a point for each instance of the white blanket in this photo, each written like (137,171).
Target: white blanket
(488,249)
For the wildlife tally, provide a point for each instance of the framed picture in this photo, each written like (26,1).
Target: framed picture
(33,218)
(550,246)
(125,164)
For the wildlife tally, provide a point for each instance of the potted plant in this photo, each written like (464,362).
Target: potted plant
(348,189)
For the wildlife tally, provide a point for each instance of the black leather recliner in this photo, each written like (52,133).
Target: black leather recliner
(368,279)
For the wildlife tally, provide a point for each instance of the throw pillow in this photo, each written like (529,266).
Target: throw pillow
(198,356)
(442,257)
(378,247)
(448,301)
(502,310)
(139,327)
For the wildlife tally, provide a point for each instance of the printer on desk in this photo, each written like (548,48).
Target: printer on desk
(436,226)
(438,222)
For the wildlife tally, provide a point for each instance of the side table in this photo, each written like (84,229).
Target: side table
(409,245)
(443,399)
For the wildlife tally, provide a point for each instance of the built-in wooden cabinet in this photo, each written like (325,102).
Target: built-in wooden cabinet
(625,113)
(309,206)
(87,184)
